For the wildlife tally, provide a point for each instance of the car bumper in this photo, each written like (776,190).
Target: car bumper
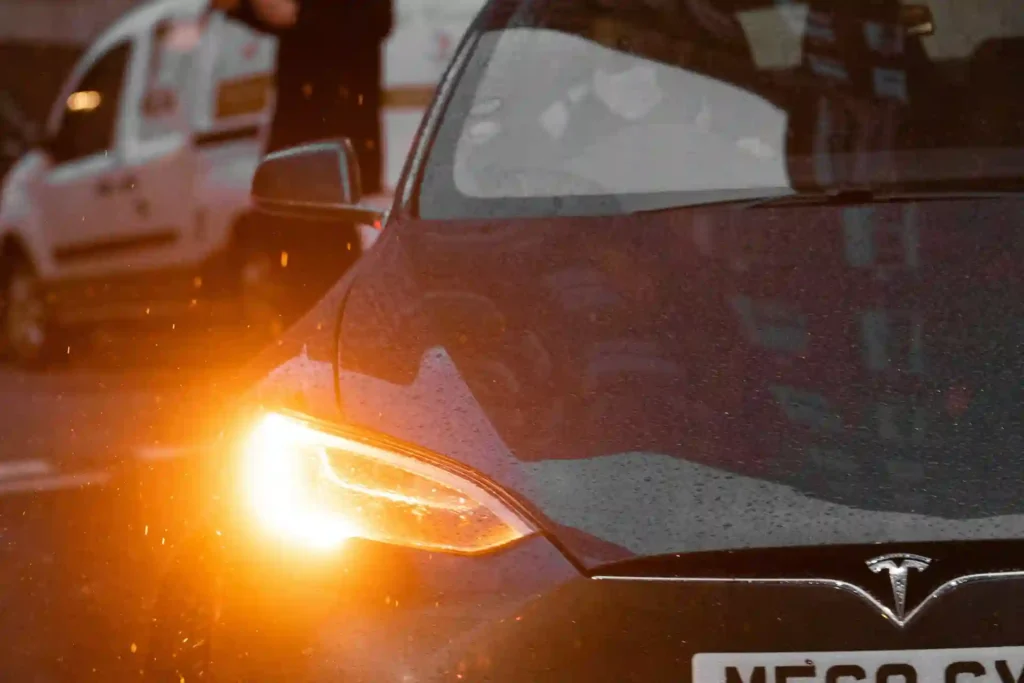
(374,613)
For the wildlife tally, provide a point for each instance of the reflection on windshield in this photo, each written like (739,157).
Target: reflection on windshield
(636,107)
(611,123)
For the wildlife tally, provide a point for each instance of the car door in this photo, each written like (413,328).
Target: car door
(80,198)
(159,158)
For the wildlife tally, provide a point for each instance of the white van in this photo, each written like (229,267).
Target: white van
(136,205)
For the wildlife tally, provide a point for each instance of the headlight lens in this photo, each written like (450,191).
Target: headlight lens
(318,488)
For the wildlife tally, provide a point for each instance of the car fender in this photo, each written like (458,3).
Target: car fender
(20,219)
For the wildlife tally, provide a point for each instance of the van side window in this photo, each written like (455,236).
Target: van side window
(171,56)
(89,122)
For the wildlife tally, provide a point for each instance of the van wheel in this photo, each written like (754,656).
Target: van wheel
(28,334)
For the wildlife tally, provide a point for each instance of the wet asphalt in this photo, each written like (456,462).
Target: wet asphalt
(88,467)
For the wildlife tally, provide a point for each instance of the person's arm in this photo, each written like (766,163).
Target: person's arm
(272,17)
(244,13)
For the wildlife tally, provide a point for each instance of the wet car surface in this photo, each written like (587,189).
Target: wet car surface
(715,397)
(690,349)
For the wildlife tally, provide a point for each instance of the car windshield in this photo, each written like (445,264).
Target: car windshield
(613,106)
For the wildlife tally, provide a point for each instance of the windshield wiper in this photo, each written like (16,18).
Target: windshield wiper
(858,195)
(843,196)
(830,197)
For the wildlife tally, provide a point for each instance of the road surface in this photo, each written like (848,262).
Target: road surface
(81,535)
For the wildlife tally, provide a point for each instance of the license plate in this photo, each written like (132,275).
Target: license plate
(969,665)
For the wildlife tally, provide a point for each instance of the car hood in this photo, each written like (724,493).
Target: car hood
(707,379)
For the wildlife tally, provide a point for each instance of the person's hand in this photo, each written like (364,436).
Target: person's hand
(276,13)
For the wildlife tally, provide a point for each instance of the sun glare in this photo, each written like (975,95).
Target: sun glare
(281,471)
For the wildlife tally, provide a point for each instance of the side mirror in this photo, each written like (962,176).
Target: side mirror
(315,181)
(917,20)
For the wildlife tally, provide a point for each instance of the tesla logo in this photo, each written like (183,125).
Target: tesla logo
(898,565)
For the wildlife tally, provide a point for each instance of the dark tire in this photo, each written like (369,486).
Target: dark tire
(28,334)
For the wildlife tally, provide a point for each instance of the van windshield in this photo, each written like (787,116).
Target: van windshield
(584,107)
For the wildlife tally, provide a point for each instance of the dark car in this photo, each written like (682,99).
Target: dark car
(691,349)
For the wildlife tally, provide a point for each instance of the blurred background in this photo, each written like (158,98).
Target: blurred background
(136,283)
(137,286)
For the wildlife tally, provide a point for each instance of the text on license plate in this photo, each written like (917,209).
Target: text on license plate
(969,665)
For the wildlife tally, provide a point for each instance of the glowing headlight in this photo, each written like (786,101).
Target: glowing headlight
(318,488)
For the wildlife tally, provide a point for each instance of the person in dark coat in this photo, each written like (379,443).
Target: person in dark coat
(328,84)
(329,72)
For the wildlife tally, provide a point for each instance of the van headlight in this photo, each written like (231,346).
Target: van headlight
(318,486)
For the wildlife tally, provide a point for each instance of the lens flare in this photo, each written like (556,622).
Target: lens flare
(319,488)
(280,482)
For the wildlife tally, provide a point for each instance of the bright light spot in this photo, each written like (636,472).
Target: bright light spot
(317,489)
(284,259)
(281,472)
(84,100)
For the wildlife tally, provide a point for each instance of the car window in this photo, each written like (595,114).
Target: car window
(579,106)
(632,109)
(88,123)
(172,58)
